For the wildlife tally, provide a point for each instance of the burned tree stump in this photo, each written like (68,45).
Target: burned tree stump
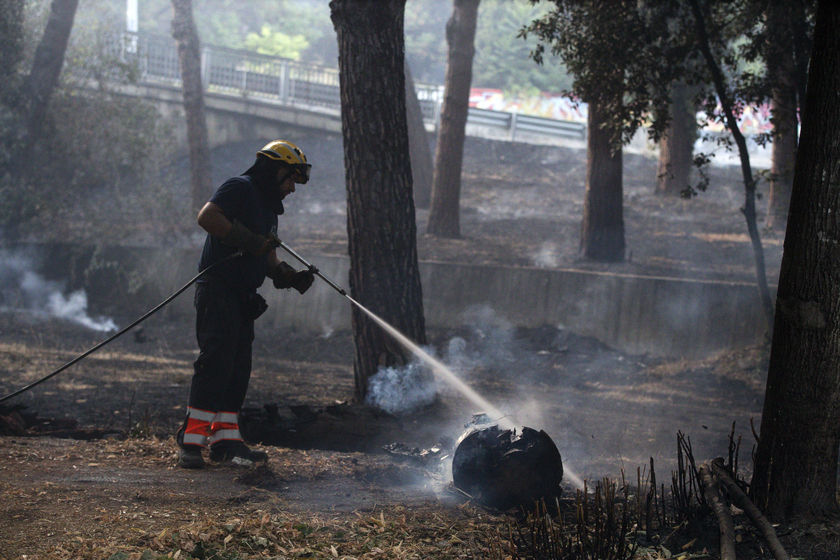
(501,469)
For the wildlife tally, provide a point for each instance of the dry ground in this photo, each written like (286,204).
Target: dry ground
(332,492)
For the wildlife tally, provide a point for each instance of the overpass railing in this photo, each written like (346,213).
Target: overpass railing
(289,82)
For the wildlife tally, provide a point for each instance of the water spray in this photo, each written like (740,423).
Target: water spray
(439,369)
(437,366)
(443,372)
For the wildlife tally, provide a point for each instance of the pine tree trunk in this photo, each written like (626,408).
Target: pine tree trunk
(785,119)
(11,50)
(444,213)
(797,454)
(189,55)
(422,167)
(46,66)
(381,227)
(31,104)
(676,147)
(602,229)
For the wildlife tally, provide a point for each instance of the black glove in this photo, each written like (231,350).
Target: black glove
(241,237)
(287,277)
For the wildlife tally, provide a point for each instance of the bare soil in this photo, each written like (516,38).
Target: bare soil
(94,476)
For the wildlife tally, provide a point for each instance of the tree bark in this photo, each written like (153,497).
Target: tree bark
(422,167)
(676,147)
(29,108)
(602,228)
(11,49)
(189,55)
(444,213)
(783,107)
(796,459)
(46,66)
(749,183)
(381,226)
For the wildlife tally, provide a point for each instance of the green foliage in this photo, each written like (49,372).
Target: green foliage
(100,160)
(425,45)
(103,160)
(617,53)
(251,25)
(502,56)
(274,43)
(302,28)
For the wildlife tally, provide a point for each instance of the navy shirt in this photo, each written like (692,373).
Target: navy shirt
(240,199)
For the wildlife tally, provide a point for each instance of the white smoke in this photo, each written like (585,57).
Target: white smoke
(546,256)
(402,390)
(27,291)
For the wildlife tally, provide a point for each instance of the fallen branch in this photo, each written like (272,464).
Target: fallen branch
(725,523)
(743,502)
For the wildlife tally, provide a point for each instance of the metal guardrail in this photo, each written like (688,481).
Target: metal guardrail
(515,122)
(289,82)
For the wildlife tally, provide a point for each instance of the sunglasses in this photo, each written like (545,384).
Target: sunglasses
(302,170)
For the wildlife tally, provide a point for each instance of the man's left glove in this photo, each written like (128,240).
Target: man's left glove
(287,277)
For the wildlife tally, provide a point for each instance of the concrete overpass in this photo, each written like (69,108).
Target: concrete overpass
(232,118)
(248,95)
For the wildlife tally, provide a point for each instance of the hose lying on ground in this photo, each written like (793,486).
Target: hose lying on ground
(123,331)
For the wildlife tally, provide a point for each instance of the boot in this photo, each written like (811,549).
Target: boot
(237,452)
(189,456)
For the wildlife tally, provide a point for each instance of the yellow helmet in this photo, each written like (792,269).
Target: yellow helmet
(282,150)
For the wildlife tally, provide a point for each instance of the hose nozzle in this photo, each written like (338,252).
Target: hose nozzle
(277,242)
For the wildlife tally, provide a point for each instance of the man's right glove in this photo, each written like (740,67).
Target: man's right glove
(287,277)
(243,238)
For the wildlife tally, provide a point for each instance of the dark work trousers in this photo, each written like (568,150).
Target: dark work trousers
(223,367)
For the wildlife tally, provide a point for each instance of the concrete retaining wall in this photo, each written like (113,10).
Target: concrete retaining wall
(637,314)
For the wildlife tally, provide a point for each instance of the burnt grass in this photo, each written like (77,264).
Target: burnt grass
(88,458)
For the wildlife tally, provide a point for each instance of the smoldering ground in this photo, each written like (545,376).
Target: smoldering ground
(603,408)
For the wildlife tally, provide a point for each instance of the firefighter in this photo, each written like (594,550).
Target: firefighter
(241,216)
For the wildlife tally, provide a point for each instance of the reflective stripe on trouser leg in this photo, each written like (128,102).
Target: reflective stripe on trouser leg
(198,427)
(225,427)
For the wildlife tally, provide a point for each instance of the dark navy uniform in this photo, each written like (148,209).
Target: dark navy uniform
(224,300)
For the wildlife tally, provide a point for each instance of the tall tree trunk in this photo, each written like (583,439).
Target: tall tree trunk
(11,49)
(46,66)
(785,118)
(676,147)
(749,183)
(418,142)
(802,30)
(31,107)
(189,54)
(796,460)
(444,213)
(602,228)
(381,227)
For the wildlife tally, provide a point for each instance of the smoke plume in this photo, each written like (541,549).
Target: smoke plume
(402,390)
(23,290)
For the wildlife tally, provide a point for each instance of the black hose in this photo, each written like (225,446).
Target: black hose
(123,331)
